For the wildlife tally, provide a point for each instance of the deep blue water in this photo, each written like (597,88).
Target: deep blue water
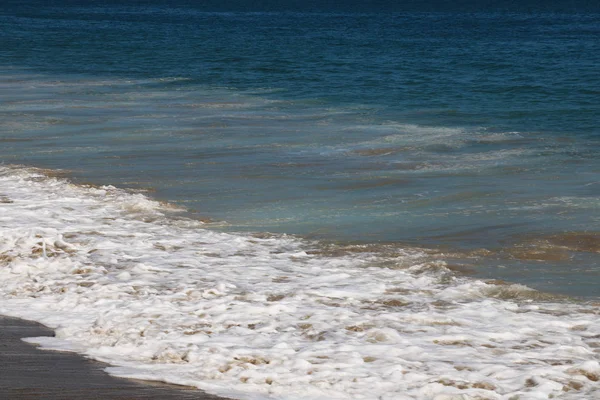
(466,128)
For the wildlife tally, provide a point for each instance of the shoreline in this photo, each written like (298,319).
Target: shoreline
(27,372)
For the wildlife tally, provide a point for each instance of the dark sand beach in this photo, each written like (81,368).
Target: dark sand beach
(29,373)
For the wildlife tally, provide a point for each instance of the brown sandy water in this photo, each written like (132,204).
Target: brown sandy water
(570,257)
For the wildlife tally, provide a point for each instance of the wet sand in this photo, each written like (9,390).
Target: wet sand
(29,373)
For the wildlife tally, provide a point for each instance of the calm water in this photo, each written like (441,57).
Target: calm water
(477,133)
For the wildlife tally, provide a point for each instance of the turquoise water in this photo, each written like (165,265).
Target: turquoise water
(473,133)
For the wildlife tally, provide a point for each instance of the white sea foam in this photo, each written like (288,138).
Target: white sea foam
(263,317)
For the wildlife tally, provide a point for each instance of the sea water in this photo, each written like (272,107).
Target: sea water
(307,203)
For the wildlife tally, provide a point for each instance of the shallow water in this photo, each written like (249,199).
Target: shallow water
(350,200)
(125,280)
(332,172)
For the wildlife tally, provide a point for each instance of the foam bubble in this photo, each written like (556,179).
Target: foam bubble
(267,316)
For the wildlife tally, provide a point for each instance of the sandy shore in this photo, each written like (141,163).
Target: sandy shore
(29,373)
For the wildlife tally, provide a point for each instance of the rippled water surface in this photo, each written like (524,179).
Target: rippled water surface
(307,204)
(466,130)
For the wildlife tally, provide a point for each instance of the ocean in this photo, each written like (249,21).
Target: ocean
(307,201)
